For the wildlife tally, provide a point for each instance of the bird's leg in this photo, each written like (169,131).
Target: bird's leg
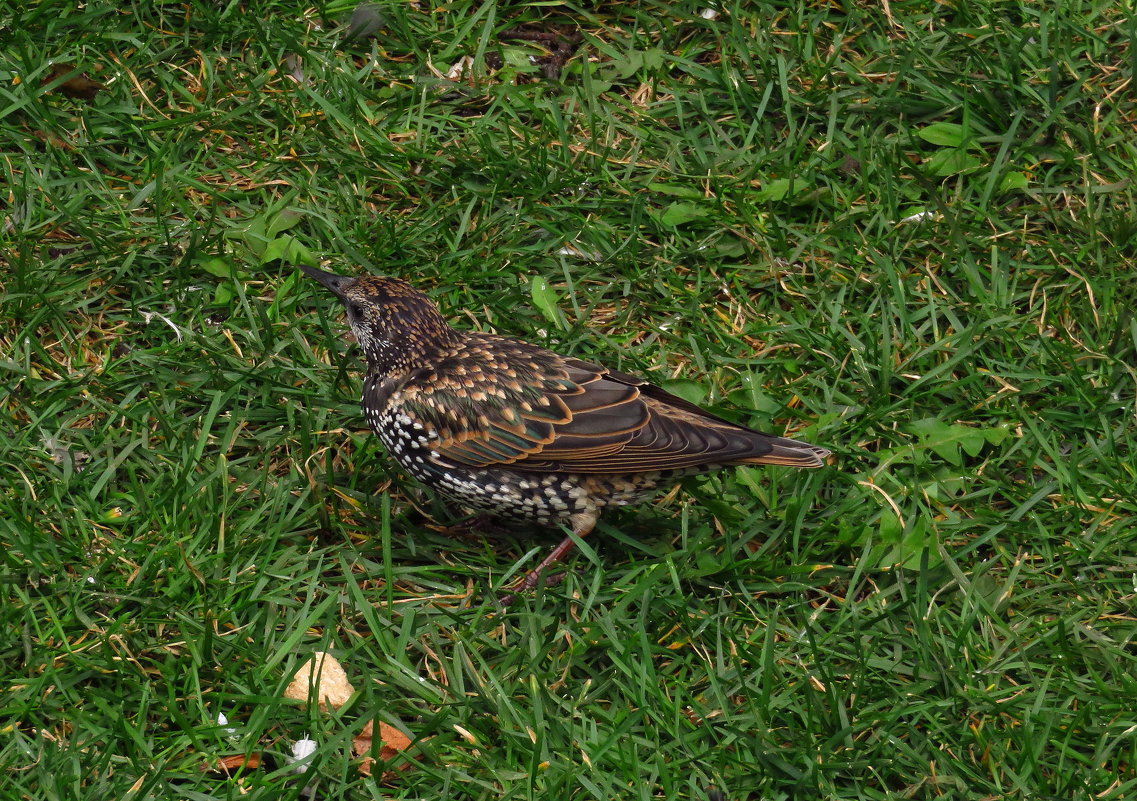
(582,524)
(482,523)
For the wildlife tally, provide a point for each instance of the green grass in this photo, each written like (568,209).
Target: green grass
(190,504)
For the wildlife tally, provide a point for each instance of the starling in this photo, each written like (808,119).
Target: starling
(516,430)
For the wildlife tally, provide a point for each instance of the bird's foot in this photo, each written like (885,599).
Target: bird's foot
(582,524)
(529,582)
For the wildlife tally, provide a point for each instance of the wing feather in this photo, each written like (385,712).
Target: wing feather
(526,407)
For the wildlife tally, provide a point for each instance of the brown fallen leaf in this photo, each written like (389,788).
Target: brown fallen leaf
(332,688)
(392,742)
(323,678)
(78,86)
(230,764)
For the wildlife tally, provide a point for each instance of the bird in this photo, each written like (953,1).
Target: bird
(510,428)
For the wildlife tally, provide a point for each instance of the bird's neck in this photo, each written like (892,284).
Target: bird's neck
(412,350)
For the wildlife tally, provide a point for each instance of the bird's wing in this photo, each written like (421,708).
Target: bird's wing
(528,408)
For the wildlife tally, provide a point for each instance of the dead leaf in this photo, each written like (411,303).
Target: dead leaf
(392,742)
(332,688)
(230,764)
(78,86)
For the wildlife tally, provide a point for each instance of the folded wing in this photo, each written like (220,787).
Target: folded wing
(542,412)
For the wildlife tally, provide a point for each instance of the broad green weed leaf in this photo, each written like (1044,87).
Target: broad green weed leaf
(952,161)
(682,212)
(688,390)
(287,249)
(947,440)
(776,189)
(1013,181)
(545,298)
(677,190)
(945,134)
(215,266)
(286,219)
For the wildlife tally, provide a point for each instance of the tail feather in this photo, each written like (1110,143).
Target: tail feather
(791,453)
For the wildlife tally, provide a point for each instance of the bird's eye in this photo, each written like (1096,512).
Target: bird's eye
(355,310)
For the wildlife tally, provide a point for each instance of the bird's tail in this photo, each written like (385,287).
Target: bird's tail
(791,453)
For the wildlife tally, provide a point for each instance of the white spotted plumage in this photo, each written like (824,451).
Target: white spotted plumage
(515,429)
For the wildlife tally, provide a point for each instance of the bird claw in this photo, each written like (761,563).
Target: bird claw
(529,582)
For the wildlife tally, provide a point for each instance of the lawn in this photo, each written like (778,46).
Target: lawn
(903,231)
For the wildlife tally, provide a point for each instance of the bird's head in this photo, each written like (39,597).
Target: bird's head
(397,326)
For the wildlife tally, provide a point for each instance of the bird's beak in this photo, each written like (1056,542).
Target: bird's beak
(335,284)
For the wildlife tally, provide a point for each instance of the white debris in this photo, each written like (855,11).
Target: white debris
(585,255)
(919,216)
(459,67)
(148,316)
(57,449)
(302,751)
(61,454)
(224,722)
